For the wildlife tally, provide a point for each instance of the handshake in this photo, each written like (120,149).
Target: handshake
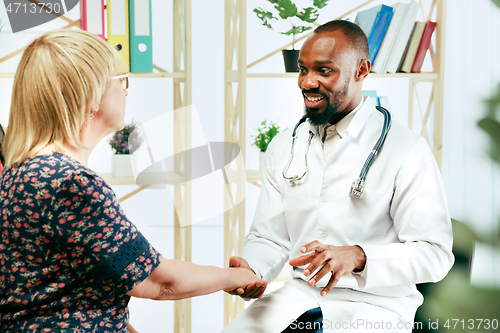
(325,259)
(246,282)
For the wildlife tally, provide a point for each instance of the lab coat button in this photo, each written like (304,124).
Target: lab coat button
(324,201)
(324,235)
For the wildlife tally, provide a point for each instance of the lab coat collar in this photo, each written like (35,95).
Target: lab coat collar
(356,124)
(360,118)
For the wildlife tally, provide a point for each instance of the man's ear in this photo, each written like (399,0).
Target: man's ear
(363,69)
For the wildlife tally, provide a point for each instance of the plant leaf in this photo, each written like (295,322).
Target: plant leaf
(496,2)
(492,127)
(286,9)
(309,14)
(266,133)
(296,29)
(493,102)
(264,15)
(273,1)
(322,3)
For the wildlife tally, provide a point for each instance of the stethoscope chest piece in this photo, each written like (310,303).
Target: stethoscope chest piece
(294,179)
(357,188)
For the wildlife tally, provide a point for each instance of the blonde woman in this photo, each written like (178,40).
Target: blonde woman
(69,257)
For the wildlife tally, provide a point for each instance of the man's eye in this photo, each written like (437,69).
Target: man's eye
(325,70)
(302,70)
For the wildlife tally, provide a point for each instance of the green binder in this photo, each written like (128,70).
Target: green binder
(141,36)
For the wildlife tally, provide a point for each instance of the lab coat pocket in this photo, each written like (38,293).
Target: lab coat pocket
(369,215)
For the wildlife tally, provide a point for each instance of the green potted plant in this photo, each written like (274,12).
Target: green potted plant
(266,132)
(300,22)
(124,143)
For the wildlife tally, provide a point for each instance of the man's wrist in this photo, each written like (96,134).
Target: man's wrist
(361,259)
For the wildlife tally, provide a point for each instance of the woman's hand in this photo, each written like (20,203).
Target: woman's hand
(240,278)
(253,290)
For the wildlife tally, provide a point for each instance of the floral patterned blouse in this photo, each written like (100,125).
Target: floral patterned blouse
(68,253)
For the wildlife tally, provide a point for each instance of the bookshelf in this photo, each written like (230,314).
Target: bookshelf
(236,76)
(182,96)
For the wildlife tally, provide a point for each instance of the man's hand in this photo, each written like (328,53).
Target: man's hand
(253,290)
(339,260)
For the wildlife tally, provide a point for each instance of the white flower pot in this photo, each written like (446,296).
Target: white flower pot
(124,165)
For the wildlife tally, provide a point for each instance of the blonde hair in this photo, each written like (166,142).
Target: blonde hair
(61,77)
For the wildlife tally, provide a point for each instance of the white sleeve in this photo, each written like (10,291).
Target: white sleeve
(421,220)
(267,246)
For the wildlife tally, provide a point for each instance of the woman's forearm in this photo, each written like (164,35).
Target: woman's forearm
(175,279)
(189,280)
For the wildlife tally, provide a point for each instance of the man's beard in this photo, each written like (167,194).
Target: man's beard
(323,117)
(332,109)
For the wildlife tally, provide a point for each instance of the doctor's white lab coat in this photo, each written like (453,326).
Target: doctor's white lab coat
(401,221)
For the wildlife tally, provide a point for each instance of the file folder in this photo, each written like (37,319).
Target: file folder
(141,37)
(118,30)
(92,17)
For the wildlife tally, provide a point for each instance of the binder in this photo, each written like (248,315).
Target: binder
(118,30)
(92,17)
(141,37)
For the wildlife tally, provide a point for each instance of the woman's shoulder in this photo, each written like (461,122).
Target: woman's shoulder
(56,169)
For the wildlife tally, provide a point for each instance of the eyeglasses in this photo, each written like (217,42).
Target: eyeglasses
(124,80)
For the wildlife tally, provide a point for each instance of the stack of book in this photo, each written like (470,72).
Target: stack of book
(398,43)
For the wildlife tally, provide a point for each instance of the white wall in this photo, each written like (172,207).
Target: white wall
(471,75)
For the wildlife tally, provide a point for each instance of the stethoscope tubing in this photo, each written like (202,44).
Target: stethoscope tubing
(357,187)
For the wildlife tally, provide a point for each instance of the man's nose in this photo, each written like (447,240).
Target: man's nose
(309,82)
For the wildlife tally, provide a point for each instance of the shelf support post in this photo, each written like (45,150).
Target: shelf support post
(182,142)
(437,147)
(234,131)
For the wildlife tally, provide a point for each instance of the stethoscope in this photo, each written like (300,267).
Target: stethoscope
(357,187)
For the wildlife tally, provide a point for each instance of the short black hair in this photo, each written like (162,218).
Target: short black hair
(352,31)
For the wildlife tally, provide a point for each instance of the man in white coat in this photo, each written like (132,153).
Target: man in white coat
(357,259)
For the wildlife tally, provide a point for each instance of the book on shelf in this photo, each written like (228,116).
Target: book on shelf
(372,94)
(402,37)
(366,18)
(411,48)
(383,101)
(374,22)
(377,100)
(379,65)
(425,42)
